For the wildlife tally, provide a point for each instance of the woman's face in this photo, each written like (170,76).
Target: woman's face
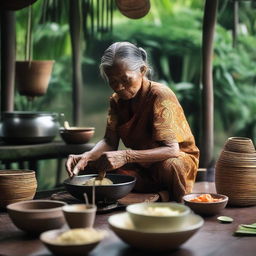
(124,82)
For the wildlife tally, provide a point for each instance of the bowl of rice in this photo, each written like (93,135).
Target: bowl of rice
(158,216)
(78,241)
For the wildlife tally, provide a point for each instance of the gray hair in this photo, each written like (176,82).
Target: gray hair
(135,57)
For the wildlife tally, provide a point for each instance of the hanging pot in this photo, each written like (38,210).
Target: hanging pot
(21,127)
(134,9)
(33,77)
(14,5)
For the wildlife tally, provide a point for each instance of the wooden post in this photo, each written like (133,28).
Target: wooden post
(207,139)
(235,21)
(75,33)
(7,59)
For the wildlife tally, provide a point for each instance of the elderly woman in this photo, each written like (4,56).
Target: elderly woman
(146,115)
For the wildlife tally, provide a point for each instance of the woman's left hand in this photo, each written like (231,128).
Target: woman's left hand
(111,160)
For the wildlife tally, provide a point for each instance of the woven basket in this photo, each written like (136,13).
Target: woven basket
(235,172)
(16,185)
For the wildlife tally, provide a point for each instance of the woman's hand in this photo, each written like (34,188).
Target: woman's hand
(111,160)
(76,163)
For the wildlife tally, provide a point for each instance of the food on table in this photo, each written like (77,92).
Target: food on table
(79,236)
(98,182)
(225,219)
(161,211)
(205,198)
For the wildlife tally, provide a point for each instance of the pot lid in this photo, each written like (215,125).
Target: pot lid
(28,114)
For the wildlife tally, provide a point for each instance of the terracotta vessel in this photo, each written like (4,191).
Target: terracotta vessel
(133,9)
(236,172)
(16,185)
(33,77)
(36,216)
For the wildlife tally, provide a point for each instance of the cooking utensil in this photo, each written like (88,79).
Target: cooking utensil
(122,185)
(24,127)
(101,175)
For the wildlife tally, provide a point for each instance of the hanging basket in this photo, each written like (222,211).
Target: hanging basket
(134,9)
(33,77)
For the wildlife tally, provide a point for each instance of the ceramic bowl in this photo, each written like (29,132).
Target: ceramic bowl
(123,227)
(16,185)
(205,208)
(77,135)
(36,216)
(48,238)
(142,219)
(79,215)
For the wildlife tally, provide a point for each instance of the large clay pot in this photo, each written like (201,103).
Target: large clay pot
(33,76)
(133,9)
(235,174)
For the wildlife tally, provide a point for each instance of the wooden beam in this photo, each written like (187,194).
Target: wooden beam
(7,59)
(207,139)
(77,81)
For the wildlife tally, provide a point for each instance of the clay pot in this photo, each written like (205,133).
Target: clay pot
(37,216)
(33,77)
(235,172)
(16,185)
(133,9)
(14,5)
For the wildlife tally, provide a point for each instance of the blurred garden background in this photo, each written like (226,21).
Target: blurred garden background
(172,35)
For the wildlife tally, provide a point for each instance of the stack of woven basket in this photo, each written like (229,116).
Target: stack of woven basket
(236,172)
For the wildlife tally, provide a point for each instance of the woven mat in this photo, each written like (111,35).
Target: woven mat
(131,198)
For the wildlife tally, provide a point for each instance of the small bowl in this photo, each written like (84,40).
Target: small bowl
(80,215)
(145,221)
(77,135)
(36,216)
(16,185)
(48,238)
(206,208)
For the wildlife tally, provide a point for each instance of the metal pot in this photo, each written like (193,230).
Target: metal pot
(21,127)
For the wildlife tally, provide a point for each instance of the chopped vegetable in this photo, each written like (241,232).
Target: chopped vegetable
(205,198)
(225,219)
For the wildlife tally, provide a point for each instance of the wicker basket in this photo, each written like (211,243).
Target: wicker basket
(16,185)
(236,172)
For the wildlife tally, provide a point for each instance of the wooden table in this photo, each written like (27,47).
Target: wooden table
(213,239)
(27,156)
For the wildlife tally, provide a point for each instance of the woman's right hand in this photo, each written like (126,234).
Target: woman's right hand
(76,163)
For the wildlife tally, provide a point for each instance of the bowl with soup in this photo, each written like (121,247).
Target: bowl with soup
(158,215)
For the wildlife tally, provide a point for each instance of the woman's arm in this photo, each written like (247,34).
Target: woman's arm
(115,159)
(108,143)
(152,155)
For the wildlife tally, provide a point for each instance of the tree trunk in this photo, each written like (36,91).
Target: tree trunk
(207,141)
(7,59)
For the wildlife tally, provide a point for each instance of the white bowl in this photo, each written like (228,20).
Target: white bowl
(166,240)
(160,216)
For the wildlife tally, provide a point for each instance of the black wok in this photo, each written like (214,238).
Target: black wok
(123,184)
